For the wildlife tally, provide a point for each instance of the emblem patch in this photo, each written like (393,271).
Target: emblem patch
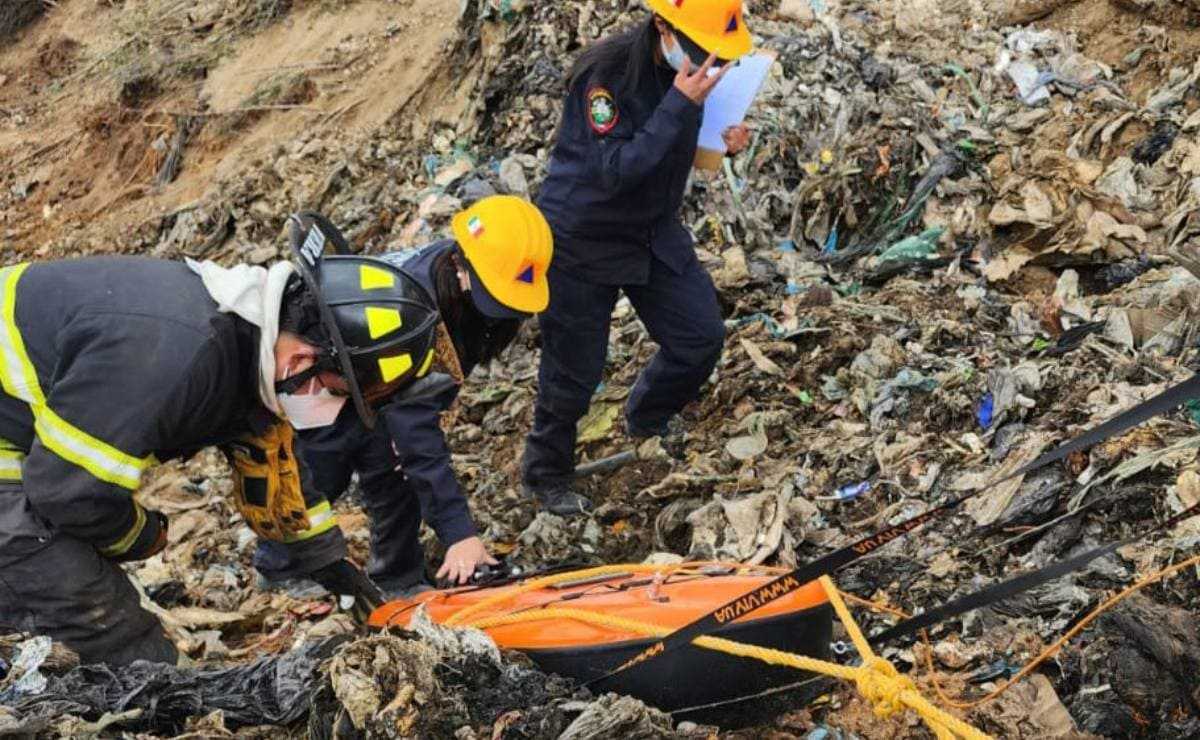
(475,226)
(601,110)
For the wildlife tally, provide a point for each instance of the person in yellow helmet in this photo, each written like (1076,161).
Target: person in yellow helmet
(613,194)
(485,281)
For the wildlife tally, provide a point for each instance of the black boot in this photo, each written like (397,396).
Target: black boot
(560,500)
(672,436)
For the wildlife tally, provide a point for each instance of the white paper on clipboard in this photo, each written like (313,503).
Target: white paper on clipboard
(731,99)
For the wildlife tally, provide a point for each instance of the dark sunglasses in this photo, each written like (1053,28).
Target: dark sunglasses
(324,364)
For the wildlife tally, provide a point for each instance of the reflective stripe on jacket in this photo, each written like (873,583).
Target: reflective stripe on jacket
(106,365)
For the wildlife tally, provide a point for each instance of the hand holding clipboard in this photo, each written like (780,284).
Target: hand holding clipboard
(728,104)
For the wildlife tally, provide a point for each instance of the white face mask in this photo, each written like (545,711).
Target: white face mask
(673,55)
(312,410)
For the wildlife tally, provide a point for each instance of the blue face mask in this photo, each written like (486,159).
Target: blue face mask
(673,55)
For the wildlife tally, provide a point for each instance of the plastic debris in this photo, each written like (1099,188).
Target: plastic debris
(848,492)
(1037,139)
(983,413)
(24,678)
(922,246)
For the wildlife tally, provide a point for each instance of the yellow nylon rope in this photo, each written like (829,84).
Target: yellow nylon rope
(577,575)
(877,679)
(536,584)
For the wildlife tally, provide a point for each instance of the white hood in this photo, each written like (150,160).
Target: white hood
(256,295)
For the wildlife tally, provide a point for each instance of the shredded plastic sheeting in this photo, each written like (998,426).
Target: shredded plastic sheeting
(269,691)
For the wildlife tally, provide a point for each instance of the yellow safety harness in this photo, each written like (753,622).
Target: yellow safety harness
(267,489)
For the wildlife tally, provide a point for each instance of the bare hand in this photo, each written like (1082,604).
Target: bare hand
(736,138)
(462,558)
(697,84)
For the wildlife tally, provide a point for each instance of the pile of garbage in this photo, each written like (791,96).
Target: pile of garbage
(432,682)
(955,241)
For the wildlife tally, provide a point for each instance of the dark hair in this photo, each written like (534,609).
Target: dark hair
(477,338)
(629,54)
(300,315)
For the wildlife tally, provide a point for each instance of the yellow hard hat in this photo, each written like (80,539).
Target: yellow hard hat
(717,26)
(508,247)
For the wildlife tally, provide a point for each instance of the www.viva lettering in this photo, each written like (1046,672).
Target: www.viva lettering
(750,602)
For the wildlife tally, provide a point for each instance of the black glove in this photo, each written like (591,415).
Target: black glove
(150,541)
(343,578)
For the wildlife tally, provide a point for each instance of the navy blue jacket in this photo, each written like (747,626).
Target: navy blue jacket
(416,432)
(614,191)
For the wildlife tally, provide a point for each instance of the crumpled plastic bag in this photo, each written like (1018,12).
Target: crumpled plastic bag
(383,681)
(891,397)
(25,678)
(456,641)
(555,539)
(620,716)
(748,529)
(270,691)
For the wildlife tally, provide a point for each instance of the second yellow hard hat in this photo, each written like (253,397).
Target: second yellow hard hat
(508,246)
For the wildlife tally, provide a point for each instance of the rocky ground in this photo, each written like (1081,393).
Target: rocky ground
(962,234)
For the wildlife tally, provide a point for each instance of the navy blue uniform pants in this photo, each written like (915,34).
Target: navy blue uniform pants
(53,584)
(328,457)
(681,314)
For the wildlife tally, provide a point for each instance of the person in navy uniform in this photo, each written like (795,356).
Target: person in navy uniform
(618,172)
(485,281)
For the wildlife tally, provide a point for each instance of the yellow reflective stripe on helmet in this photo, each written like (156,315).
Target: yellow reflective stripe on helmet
(373,278)
(121,546)
(382,321)
(16,371)
(428,363)
(100,459)
(393,367)
(321,519)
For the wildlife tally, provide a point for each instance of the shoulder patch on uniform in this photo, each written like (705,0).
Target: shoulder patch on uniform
(602,111)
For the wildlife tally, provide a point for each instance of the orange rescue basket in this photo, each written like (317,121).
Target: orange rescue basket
(565,628)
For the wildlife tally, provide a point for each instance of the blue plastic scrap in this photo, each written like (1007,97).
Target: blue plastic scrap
(1000,668)
(432,163)
(775,329)
(984,413)
(831,243)
(852,491)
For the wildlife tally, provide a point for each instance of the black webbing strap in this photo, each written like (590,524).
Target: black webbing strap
(786,584)
(991,594)
(1013,586)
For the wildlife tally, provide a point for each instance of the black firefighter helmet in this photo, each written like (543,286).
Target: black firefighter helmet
(378,323)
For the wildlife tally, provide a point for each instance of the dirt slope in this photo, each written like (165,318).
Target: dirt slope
(94,97)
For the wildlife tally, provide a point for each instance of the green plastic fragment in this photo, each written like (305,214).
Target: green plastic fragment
(923,246)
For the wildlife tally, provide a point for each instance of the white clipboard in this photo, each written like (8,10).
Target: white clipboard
(728,104)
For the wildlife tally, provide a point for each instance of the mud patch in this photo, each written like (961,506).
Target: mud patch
(57,56)
(16,14)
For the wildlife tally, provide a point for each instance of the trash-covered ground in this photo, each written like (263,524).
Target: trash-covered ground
(963,233)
